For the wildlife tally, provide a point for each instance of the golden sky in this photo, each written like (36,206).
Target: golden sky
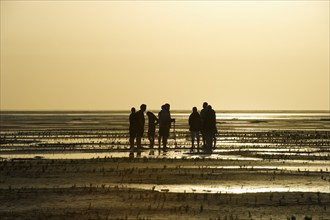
(112,55)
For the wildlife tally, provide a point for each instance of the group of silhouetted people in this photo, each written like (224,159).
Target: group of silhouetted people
(203,123)
(137,122)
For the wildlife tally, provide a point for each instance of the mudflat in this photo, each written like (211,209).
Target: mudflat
(144,188)
(76,165)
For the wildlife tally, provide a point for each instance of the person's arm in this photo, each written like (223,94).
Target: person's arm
(170,117)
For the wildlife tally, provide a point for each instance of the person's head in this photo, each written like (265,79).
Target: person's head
(143,107)
(167,106)
(209,107)
(149,114)
(132,110)
(163,107)
(194,109)
(205,104)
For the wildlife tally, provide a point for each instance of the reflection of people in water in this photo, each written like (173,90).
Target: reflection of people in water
(195,124)
(165,120)
(140,126)
(132,129)
(209,128)
(152,122)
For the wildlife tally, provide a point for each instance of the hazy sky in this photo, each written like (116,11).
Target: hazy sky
(110,55)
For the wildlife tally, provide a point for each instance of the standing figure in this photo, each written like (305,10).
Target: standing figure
(140,126)
(152,122)
(195,124)
(161,127)
(165,120)
(209,128)
(203,112)
(132,129)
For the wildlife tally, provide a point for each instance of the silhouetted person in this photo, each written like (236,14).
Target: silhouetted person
(203,111)
(152,122)
(195,123)
(161,129)
(164,117)
(132,129)
(209,128)
(140,126)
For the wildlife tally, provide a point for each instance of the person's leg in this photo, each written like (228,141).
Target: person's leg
(149,139)
(160,137)
(131,142)
(203,138)
(164,143)
(197,136)
(152,138)
(192,133)
(214,140)
(152,142)
(138,143)
(165,137)
(209,142)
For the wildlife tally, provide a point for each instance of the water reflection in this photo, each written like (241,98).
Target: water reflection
(173,154)
(224,154)
(232,188)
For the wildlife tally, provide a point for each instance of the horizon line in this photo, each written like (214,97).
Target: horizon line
(173,110)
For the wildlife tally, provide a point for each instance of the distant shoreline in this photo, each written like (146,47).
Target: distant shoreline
(155,110)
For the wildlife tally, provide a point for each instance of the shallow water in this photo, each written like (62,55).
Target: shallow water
(121,154)
(242,135)
(293,141)
(232,188)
